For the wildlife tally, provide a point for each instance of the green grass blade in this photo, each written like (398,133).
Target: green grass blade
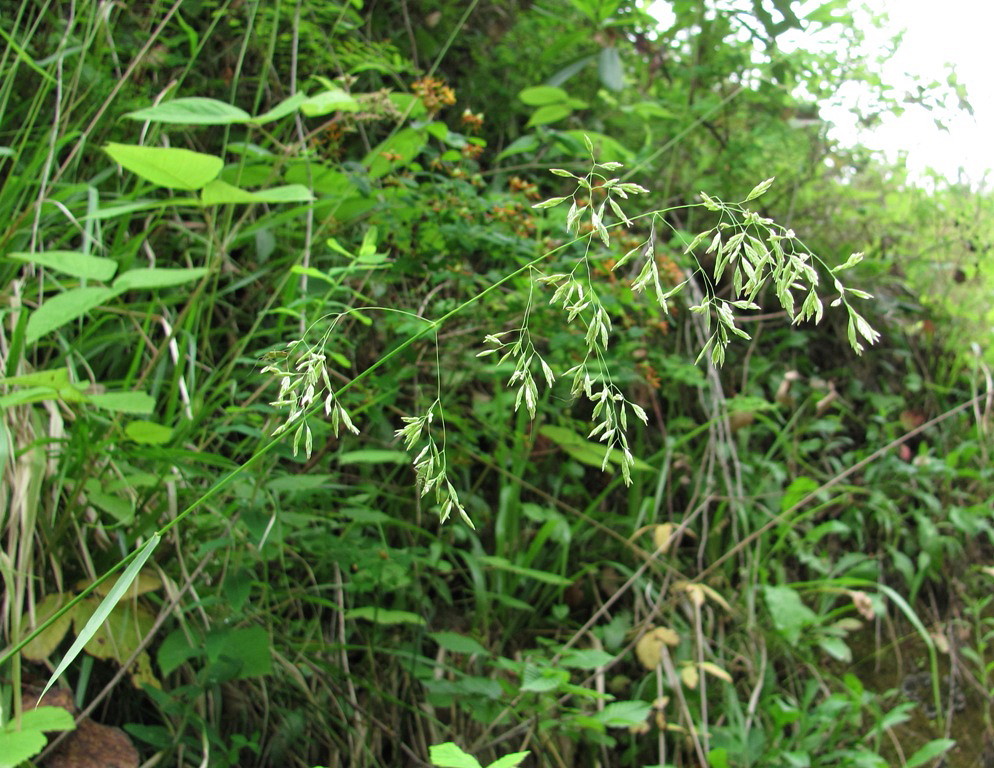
(104,609)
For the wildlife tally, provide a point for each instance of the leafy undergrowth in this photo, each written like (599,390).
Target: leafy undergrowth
(280,296)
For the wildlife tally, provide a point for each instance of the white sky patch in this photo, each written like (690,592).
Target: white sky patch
(953,32)
(957,33)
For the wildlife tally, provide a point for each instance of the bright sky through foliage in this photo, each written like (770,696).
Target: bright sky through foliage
(957,33)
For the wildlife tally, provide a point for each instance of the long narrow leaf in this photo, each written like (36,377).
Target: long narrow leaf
(104,609)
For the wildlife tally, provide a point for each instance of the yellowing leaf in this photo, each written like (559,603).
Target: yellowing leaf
(689,676)
(715,671)
(715,597)
(120,634)
(662,537)
(650,645)
(696,594)
(42,646)
(144,582)
(142,673)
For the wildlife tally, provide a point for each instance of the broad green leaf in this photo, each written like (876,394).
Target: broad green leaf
(790,615)
(610,70)
(457,643)
(103,610)
(249,648)
(148,432)
(174,651)
(543,679)
(522,144)
(220,192)
(156,277)
(836,648)
(586,658)
(503,564)
(510,760)
(332,100)
(63,308)
(167,166)
(384,616)
(55,378)
(624,714)
(71,263)
(395,152)
(448,755)
(286,107)
(799,488)
(192,110)
(122,510)
(718,758)
(18,746)
(929,752)
(47,719)
(542,95)
(549,114)
(124,402)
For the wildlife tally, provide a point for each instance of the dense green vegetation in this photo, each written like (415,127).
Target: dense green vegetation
(381,377)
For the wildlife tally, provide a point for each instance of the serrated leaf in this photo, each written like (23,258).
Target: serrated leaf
(47,719)
(624,714)
(448,755)
(18,746)
(510,760)
(790,615)
(543,679)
